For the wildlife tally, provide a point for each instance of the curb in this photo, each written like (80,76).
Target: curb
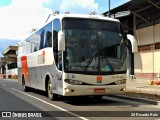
(8,79)
(137,99)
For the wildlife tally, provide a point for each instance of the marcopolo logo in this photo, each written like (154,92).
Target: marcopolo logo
(99,79)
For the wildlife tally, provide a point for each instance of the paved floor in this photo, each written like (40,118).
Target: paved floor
(142,86)
(14,99)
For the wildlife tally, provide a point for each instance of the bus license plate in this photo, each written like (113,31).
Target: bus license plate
(99,90)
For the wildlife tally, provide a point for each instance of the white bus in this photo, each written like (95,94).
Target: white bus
(75,55)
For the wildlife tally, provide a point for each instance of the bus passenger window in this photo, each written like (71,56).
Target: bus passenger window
(41,35)
(48,42)
(48,35)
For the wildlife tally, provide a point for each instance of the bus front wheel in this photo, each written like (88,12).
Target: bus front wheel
(51,95)
(97,97)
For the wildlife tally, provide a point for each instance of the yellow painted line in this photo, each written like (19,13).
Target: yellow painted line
(83,118)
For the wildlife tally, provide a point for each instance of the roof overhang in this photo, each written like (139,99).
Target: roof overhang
(9,59)
(2,63)
(136,9)
(134,6)
(10,54)
(10,51)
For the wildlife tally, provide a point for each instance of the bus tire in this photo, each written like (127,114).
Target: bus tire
(50,93)
(25,88)
(97,97)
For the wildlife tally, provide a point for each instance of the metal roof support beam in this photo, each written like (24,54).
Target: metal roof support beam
(147,8)
(129,28)
(153,4)
(140,16)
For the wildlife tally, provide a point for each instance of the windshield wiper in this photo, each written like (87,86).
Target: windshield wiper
(90,60)
(100,52)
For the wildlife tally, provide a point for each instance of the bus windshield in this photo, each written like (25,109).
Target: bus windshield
(93,46)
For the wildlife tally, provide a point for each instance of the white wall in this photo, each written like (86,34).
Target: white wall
(12,71)
(157,32)
(145,36)
(148,61)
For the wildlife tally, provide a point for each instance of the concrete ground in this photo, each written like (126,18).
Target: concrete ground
(142,86)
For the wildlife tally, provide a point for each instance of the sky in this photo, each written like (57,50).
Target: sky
(19,17)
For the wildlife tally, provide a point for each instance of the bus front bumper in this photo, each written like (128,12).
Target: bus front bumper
(76,90)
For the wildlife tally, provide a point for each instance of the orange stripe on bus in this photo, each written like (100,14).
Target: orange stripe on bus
(25,67)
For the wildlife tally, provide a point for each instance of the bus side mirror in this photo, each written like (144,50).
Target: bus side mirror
(133,41)
(61,41)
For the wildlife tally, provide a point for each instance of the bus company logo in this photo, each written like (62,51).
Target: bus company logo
(99,79)
(41,58)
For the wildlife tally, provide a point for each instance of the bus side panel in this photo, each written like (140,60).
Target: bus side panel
(55,77)
(20,76)
(31,77)
(20,72)
(57,82)
(40,64)
(19,66)
(38,77)
(46,70)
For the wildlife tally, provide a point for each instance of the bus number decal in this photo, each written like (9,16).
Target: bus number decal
(99,79)
(41,58)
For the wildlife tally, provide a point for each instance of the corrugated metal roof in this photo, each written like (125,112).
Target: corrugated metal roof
(134,5)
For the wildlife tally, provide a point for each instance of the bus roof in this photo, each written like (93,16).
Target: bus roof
(98,17)
(61,16)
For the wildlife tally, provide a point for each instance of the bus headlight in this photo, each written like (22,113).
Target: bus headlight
(73,82)
(120,82)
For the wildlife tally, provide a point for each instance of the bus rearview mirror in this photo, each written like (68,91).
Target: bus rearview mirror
(61,41)
(133,41)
